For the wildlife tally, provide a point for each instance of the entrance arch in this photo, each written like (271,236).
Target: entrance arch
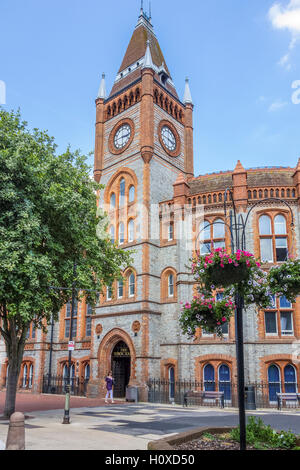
(117,353)
(120,360)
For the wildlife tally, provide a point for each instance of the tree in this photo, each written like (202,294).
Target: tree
(48,221)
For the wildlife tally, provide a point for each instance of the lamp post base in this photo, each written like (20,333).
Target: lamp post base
(66,419)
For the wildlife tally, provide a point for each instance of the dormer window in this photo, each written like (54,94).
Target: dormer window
(163,77)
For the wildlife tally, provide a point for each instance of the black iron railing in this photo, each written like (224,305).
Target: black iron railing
(257,394)
(56,384)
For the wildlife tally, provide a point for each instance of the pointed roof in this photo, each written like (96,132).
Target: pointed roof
(137,54)
(239,168)
(180,179)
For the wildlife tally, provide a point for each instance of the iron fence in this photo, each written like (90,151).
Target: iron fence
(257,394)
(56,384)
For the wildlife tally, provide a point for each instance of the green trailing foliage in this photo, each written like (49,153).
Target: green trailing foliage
(262,436)
(285,279)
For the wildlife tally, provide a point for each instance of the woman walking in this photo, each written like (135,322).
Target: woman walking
(109,387)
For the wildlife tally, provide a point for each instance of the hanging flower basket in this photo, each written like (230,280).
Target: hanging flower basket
(284,280)
(255,290)
(219,269)
(206,313)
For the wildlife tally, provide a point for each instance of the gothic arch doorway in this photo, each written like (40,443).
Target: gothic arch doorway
(121,365)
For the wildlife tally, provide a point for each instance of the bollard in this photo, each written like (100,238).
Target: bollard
(16,432)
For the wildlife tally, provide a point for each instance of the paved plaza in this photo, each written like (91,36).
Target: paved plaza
(123,426)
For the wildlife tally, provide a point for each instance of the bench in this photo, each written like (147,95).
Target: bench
(217,396)
(287,396)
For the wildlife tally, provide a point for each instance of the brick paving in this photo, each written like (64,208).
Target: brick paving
(27,402)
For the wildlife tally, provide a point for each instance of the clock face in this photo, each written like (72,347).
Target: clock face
(122,136)
(168,138)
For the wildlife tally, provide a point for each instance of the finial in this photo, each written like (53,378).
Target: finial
(102,90)
(187,93)
(149,11)
(148,63)
(142,6)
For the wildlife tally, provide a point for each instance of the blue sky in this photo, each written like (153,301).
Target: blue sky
(242,57)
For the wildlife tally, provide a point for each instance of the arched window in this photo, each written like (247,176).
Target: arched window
(170,285)
(224,381)
(131,193)
(290,383)
(273,238)
(274,382)
(205,238)
(30,376)
(209,378)
(109,292)
(87,372)
(171,383)
(122,192)
(212,235)
(25,376)
(131,231)
(112,201)
(280,225)
(121,233)
(218,234)
(170,231)
(120,288)
(131,285)
(88,320)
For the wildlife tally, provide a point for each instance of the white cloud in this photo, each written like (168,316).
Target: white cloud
(277,105)
(287,17)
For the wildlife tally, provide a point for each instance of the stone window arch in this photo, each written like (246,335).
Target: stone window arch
(168,285)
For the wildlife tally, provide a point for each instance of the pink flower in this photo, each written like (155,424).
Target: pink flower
(210,306)
(224,319)
(187,305)
(218,323)
(229,260)
(222,265)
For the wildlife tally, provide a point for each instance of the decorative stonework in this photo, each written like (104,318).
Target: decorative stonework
(99,329)
(136,326)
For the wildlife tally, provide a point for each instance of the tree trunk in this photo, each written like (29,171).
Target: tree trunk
(15,349)
(11,389)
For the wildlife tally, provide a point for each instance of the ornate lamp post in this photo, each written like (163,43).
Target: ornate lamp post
(238,241)
(75,290)
(237,228)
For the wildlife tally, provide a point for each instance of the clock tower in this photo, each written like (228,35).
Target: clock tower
(144,141)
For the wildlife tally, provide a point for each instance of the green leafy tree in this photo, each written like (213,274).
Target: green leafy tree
(48,221)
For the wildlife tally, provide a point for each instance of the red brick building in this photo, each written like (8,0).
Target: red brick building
(157,207)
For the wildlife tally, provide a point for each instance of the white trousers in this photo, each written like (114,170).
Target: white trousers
(109,393)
